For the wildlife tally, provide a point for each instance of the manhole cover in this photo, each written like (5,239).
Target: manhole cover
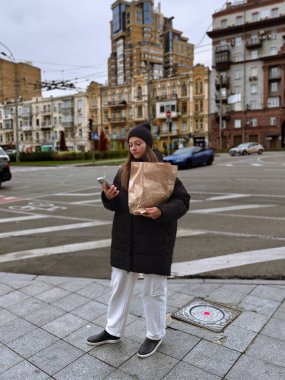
(208,314)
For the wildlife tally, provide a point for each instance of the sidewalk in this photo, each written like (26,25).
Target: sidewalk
(44,323)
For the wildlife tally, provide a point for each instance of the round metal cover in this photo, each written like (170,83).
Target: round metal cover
(206,314)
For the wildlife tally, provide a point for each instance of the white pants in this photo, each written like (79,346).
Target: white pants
(154,302)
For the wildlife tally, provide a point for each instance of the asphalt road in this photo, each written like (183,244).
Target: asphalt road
(52,220)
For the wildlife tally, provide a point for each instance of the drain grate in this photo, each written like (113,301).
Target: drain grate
(208,314)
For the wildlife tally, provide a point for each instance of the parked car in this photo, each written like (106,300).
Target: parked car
(4,155)
(5,173)
(247,148)
(190,157)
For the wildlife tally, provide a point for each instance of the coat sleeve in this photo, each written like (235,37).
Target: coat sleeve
(176,206)
(112,204)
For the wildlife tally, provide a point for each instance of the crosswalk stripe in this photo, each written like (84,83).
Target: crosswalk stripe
(53,229)
(47,251)
(22,218)
(211,264)
(229,208)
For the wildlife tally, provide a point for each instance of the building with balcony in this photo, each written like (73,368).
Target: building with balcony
(43,120)
(248,74)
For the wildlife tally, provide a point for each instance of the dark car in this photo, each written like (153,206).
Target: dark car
(5,173)
(190,157)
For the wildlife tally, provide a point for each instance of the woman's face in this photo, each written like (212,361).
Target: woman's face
(137,147)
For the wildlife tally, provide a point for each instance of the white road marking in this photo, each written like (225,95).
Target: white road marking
(227,261)
(67,194)
(21,255)
(253,164)
(47,251)
(227,196)
(22,218)
(229,208)
(85,202)
(65,227)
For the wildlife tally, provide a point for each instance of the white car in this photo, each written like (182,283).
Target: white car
(4,155)
(247,148)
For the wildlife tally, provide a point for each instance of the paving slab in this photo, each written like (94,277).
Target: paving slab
(255,369)
(268,349)
(55,357)
(24,371)
(86,367)
(185,371)
(32,342)
(212,358)
(8,358)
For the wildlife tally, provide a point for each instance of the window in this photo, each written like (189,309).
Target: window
(184,126)
(253,122)
(274,12)
(253,89)
(238,123)
(272,120)
(255,16)
(254,54)
(239,20)
(237,74)
(140,112)
(237,57)
(274,72)
(253,105)
(273,50)
(184,90)
(238,41)
(184,108)
(273,101)
(174,91)
(274,87)
(237,90)
(139,93)
(223,23)
(253,71)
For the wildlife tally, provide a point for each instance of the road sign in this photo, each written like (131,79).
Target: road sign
(168,114)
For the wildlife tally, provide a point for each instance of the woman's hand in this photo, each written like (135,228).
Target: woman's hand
(110,191)
(152,213)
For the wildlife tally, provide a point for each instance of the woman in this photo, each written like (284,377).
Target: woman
(140,244)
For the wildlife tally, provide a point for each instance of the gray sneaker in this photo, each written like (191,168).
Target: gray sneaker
(102,338)
(148,347)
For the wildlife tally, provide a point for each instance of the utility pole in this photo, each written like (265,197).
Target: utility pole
(148,92)
(16,88)
(220,113)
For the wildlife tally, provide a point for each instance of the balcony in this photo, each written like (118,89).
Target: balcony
(46,125)
(222,57)
(118,119)
(253,43)
(120,104)
(222,82)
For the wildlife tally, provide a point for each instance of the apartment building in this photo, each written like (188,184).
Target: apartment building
(142,39)
(21,80)
(248,75)
(43,122)
(150,75)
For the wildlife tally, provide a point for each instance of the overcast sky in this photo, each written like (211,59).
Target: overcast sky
(69,39)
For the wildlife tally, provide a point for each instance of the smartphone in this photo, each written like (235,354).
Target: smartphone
(102,180)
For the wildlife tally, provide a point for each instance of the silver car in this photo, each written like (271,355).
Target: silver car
(247,148)
(4,155)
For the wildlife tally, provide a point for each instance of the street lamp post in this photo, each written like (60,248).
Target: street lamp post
(12,58)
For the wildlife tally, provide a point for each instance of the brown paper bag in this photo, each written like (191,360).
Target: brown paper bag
(151,183)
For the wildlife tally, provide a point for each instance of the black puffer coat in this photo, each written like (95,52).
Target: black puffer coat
(141,244)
